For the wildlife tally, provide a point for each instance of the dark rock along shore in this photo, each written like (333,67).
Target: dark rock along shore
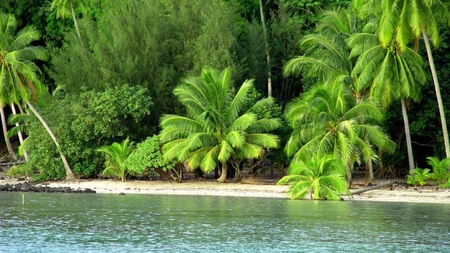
(29,187)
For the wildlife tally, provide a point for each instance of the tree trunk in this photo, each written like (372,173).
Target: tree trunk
(369,171)
(407,136)
(223,176)
(75,21)
(378,186)
(5,134)
(69,173)
(266,46)
(25,153)
(438,95)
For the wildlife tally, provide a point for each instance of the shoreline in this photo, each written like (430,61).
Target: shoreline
(257,189)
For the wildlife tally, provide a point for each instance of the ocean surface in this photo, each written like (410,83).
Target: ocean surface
(33,222)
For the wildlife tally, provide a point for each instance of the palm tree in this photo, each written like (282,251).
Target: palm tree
(327,56)
(116,155)
(322,177)
(403,21)
(389,74)
(330,120)
(18,79)
(65,9)
(219,123)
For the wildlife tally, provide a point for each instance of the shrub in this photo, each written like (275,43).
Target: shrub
(418,176)
(147,155)
(322,177)
(440,169)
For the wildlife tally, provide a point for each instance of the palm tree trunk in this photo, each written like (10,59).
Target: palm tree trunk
(69,173)
(5,134)
(75,21)
(407,136)
(266,45)
(223,176)
(369,171)
(438,94)
(25,153)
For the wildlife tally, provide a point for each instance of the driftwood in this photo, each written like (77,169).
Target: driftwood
(11,163)
(378,186)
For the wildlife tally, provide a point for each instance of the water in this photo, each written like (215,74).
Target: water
(147,223)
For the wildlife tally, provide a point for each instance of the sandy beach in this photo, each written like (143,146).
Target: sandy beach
(255,189)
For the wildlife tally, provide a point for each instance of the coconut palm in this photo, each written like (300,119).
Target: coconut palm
(327,55)
(19,83)
(322,177)
(403,21)
(389,74)
(330,120)
(66,9)
(116,155)
(218,123)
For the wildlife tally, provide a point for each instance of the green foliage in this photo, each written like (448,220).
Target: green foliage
(83,123)
(323,177)
(147,155)
(201,34)
(440,169)
(218,125)
(329,120)
(20,171)
(115,158)
(418,176)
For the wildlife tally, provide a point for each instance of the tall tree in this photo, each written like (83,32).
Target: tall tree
(266,47)
(18,70)
(390,74)
(66,9)
(405,20)
(218,123)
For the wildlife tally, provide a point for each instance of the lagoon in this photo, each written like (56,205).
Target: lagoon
(34,222)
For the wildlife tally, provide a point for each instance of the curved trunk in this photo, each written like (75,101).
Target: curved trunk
(407,136)
(266,46)
(69,173)
(438,95)
(75,21)
(5,134)
(25,154)
(223,176)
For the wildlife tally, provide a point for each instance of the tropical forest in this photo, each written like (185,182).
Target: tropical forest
(313,92)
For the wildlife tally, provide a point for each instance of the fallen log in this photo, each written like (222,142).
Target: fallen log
(11,163)
(378,186)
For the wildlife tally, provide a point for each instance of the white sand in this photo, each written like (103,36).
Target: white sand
(205,188)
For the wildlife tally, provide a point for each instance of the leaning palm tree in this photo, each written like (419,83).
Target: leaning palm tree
(218,124)
(330,120)
(66,9)
(18,79)
(389,73)
(322,177)
(403,21)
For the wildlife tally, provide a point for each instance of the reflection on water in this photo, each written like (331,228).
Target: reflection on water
(146,223)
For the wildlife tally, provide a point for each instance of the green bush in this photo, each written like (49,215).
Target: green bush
(20,171)
(419,176)
(440,169)
(83,123)
(147,155)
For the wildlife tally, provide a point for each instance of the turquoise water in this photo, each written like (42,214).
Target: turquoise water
(149,223)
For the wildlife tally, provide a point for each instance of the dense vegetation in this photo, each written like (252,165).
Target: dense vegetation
(225,83)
